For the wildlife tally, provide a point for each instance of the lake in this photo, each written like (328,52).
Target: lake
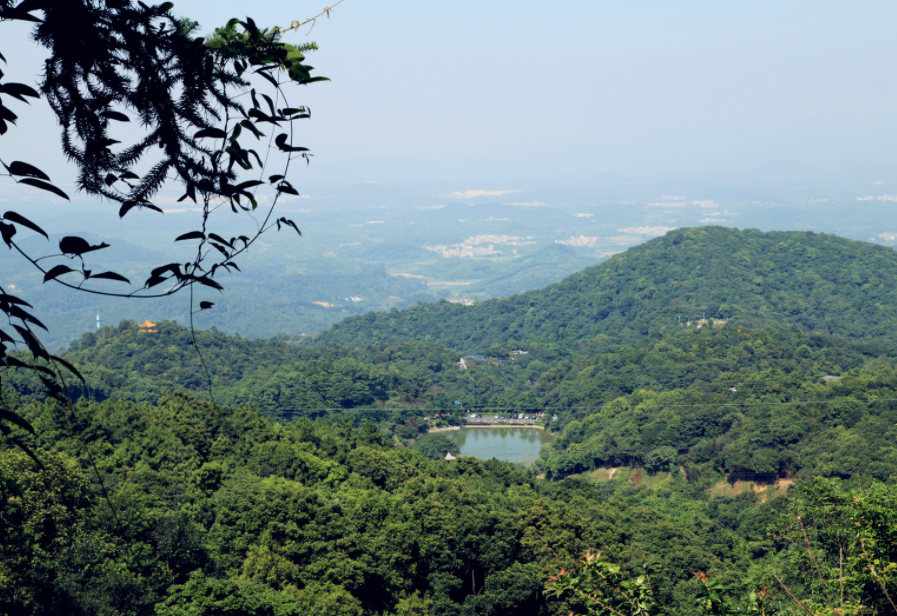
(510,444)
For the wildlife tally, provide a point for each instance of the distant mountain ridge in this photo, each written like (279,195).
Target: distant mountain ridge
(817,282)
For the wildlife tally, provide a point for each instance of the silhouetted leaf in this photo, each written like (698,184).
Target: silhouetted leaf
(34,345)
(257,157)
(286,188)
(192,235)
(220,249)
(249,184)
(261,116)
(15,311)
(214,133)
(13,418)
(312,80)
(191,192)
(110,179)
(68,367)
(115,115)
(205,305)
(174,268)
(251,198)
(270,104)
(56,271)
(72,245)
(281,142)
(21,220)
(7,114)
(208,282)
(7,231)
(111,276)
(250,126)
(15,362)
(152,281)
(26,449)
(44,186)
(126,207)
(12,299)
(218,238)
(156,277)
(290,223)
(251,28)
(17,167)
(269,78)
(21,11)
(18,90)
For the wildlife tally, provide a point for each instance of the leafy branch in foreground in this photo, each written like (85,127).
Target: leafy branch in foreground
(202,108)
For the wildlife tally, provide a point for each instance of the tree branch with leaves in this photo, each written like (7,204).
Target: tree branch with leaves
(215,117)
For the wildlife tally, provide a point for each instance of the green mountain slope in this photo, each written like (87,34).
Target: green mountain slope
(819,282)
(711,402)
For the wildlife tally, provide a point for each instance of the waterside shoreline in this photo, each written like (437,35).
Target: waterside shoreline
(496,425)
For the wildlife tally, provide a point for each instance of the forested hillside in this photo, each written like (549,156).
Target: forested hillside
(215,511)
(309,484)
(821,283)
(711,403)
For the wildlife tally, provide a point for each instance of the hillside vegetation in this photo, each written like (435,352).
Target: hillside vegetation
(311,486)
(711,403)
(821,283)
(215,511)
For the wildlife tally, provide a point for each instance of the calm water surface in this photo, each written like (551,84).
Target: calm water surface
(511,444)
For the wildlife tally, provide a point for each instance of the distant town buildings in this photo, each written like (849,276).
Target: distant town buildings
(471,247)
(582,241)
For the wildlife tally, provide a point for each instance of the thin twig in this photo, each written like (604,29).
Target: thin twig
(312,20)
(791,594)
(876,576)
(841,573)
(198,352)
(803,531)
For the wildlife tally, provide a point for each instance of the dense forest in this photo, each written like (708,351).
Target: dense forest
(731,468)
(714,402)
(205,510)
(821,283)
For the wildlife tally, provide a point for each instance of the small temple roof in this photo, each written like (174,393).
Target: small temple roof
(147,323)
(449,456)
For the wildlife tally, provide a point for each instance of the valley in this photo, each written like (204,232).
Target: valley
(654,439)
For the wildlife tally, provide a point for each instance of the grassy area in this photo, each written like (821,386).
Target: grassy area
(721,488)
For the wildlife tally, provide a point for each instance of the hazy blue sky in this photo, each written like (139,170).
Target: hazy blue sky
(441,89)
